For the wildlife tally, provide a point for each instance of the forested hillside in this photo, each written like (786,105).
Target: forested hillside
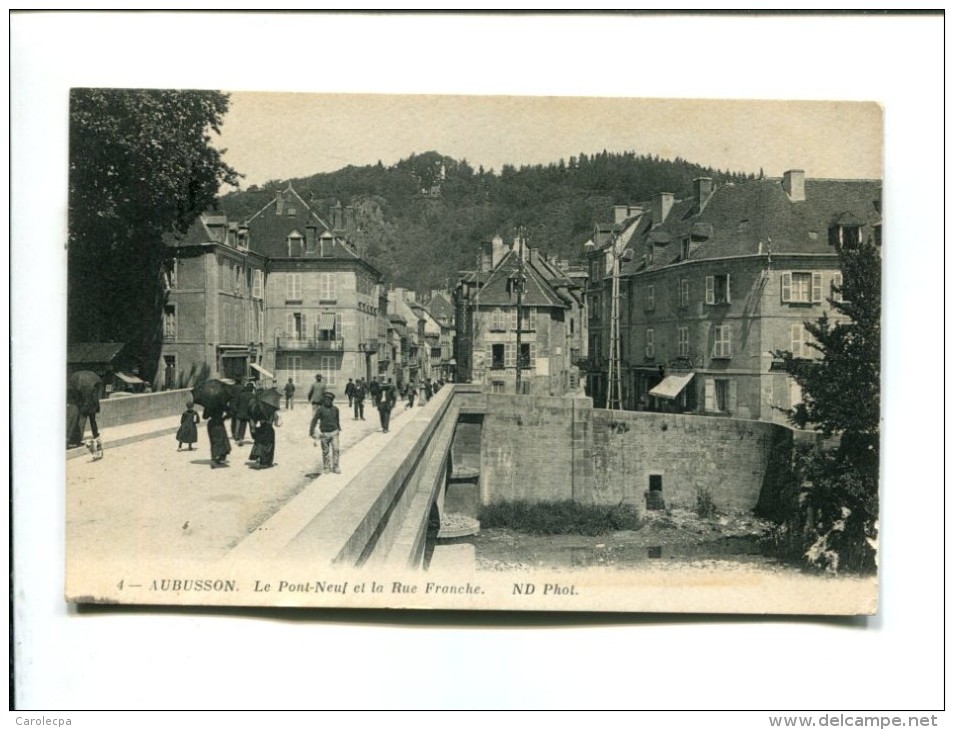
(420,221)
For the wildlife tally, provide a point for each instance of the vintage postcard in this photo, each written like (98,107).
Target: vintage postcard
(460,352)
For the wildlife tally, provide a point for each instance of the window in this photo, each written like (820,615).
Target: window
(844,236)
(528,355)
(327,288)
(682,336)
(528,319)
(293,366)
(169,362)
(801,287)
(721,394)
(497,386)
(718,289)
(722,347)
(650,298)
(684,293)
(294,241)
(498,319)
(258,284)
(169,322)
(329,369)
(510,356)
(497,357)
(650,343)
(293,288)
(801,342)
(836,284)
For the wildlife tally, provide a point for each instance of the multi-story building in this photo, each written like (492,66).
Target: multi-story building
(281,291)
(518,287)
(214,316)
(711,287)
(441,308)
(403,316)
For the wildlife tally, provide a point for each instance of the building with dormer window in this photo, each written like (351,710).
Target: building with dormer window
(282,291)
(718,282)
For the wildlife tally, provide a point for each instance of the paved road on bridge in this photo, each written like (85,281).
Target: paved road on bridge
(146,500)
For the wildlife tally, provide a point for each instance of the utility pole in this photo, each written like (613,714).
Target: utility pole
(614,397)
(518,283)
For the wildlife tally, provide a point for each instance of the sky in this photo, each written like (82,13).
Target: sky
(286,135)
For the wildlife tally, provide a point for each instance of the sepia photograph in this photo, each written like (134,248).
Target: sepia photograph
(463,360)
(553,372)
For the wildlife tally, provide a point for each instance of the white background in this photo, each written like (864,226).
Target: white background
(188,659)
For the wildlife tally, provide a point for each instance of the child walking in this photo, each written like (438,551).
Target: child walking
(188,432)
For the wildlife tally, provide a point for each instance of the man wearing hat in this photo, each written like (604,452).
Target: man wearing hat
(328,421)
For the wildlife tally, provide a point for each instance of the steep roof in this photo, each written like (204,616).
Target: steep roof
(284,214)
(738,219)
(441,307)
(538,291)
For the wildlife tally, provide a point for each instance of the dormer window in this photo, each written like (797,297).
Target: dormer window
(295,243)
(844,236)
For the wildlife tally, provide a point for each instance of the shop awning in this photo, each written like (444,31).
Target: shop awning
(130,379)
(326,321)
(671,386)
(263,371)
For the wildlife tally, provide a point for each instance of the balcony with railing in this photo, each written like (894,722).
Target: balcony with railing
(299,344)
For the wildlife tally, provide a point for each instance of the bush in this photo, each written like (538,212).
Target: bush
(559,518)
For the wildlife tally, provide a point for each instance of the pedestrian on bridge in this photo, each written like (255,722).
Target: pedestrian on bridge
(188,433)
(385,402)
(360,391)
(218,436)
(289,394)
(328,420)
(411,394)
(263,432)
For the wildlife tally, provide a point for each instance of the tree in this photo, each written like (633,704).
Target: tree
(141,165)
(841,399)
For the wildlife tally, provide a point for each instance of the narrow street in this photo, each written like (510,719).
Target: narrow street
(146,500)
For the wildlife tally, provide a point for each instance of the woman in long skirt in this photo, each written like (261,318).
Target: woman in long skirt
(188,433)
(218,437)
(264,434)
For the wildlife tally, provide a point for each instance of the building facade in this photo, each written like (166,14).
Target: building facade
(712,287)
(518,318)
(282,292)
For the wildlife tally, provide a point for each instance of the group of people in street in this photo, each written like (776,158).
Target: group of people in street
(261,427)
(324,428)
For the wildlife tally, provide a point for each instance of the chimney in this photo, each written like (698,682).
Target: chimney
(702,189)
(635,210)
(793,183)
(280,202)
(662,202)
(349,220)
(485,256)
(620,213)
(498,250)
